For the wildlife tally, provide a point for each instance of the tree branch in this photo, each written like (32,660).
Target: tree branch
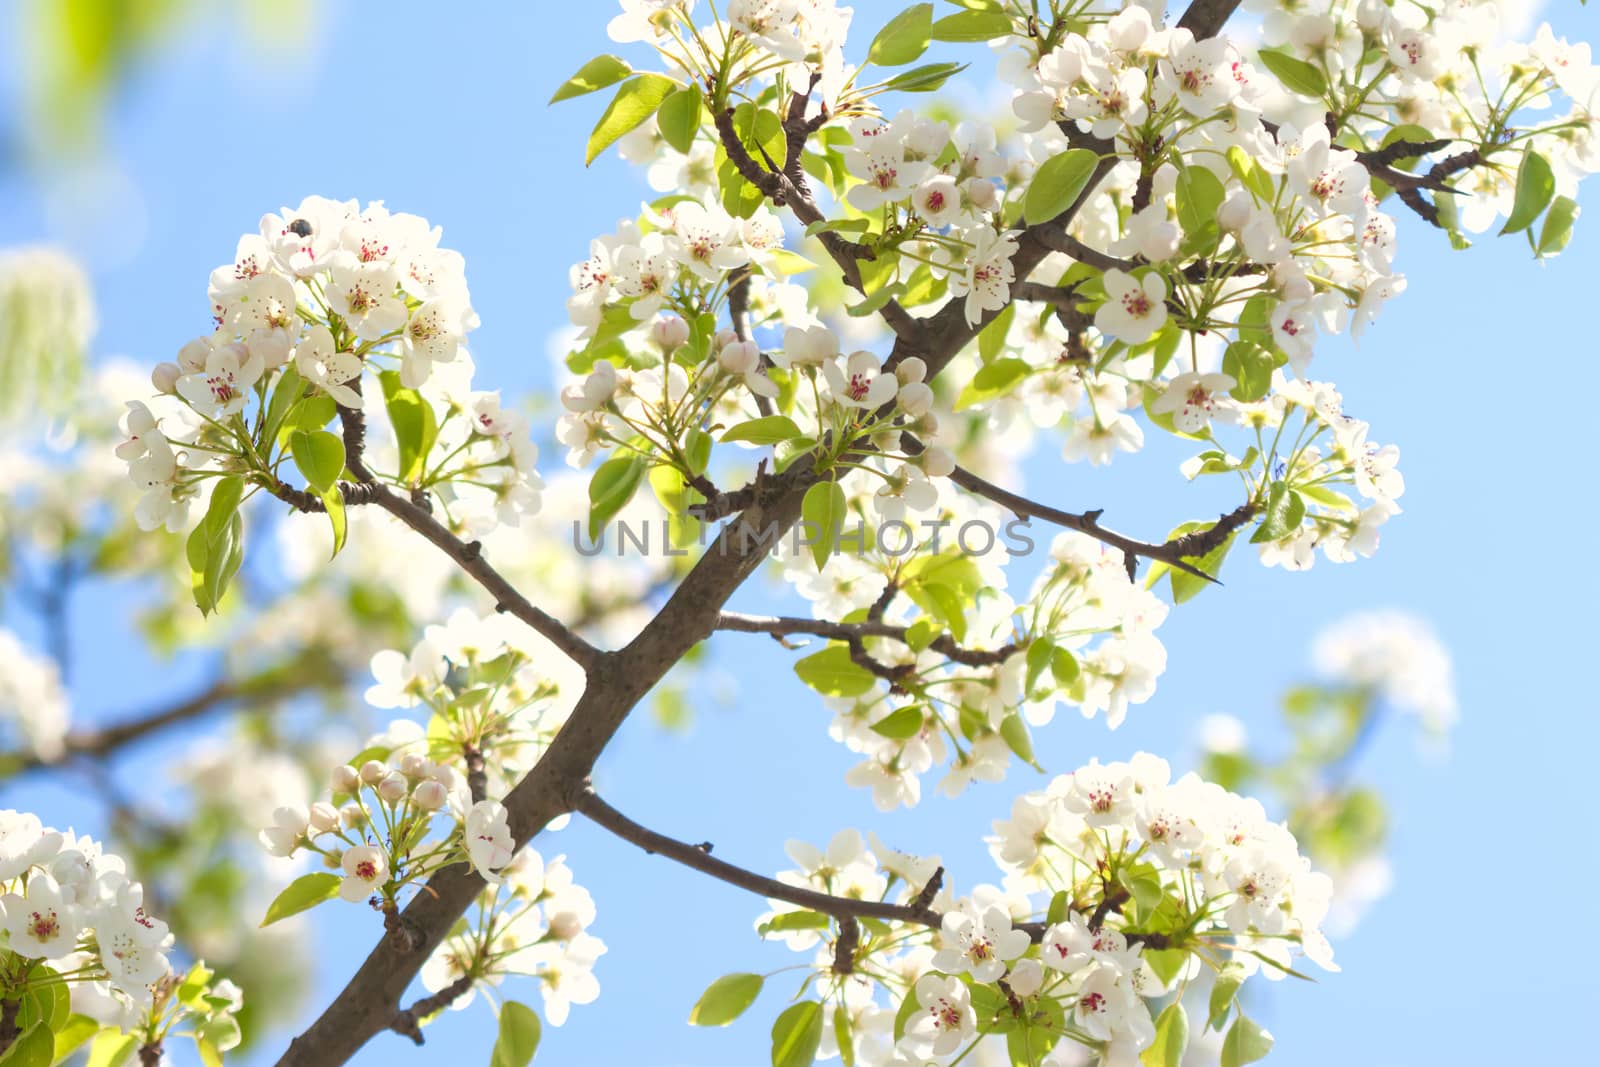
(408,1021)
(599,812)
(100,742)
(1173,553)
(1206,17)
(783,626)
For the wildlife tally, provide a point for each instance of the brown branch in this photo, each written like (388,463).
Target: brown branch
(9,1030)
(1172,553)
(408,1021)
(1206,17)
(150,1055)
(102,741)
(598,811)
(783,626)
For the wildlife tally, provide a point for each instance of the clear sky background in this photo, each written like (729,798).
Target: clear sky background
(1482,372)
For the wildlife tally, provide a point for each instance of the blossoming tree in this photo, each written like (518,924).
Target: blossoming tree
(789,356)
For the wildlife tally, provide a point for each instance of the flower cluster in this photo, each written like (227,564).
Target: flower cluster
(1121,886)
(76,929)
(1398,656)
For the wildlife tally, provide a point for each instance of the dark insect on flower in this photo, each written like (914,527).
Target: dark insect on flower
(300,228)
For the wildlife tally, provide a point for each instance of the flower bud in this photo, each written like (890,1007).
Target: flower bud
(393,789)
(915,399)
(911,369)
(192,356)
(373,772)
(333,858)
(345,779)
(324,817)
(564,926)
(739,357)
(982,193)
(1025,978)
(937,462)
(413,766)
(352,816)
(1235,211)
(165,377)
(669,332)
(430,795)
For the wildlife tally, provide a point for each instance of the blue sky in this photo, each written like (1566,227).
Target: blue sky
(1482,373)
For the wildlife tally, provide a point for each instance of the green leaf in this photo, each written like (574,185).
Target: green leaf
(1014,732)
(679,117)
(1223,991)
(1064,665)
(304,892)
(1040,651)
(35,1048)
(1199,194)
(992,338)
(766,431)
(1172,1037)
(111,1049)
(1252,177)
(966,26)
(611,488)
(320,457)
(214,549)
(310,413)
(825,508)
(924,79)
(1557,232)
(636,100)
(78,1029)
(1251,367)
(841,1036)
(797,1033)
(1536,186)
(833,673)
(288,392)
(519,1035)
(1246,1042)
(993,379)
(598,73)
(1284,512)
(1058,183)
(838,225)
(415,425)
(1297,75)
(904,39)
(209,1054)
(877,299)
(900,725)
(1185,586)
(794,920)
(921,634)
(726,999)
(333,501)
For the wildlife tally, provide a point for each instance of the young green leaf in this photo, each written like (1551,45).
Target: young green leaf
(635,101)
(833,673)
(1057,184)
(797,1034)
(824,509)
(765,431)
(726,999)
(304,892)
(1223,990)
(598,73)
(320,457)
(968,26)
(1297,75)
(518,1038)
(1246,1042)
(904,38)
(679,117)
(900,725)
(1172,1037)
(415,425)
(924,79)
(1536,186)
(611,488)
(1558,224)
